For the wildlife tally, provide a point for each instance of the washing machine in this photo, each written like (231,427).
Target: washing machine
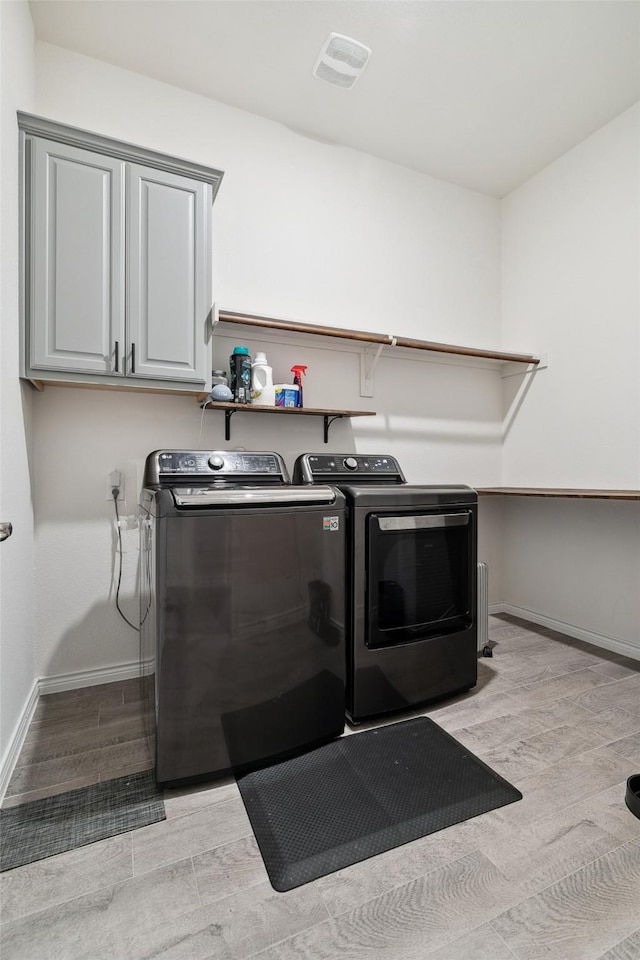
(410,582)
(242,610)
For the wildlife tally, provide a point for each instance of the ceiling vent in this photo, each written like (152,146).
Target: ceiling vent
(341,60)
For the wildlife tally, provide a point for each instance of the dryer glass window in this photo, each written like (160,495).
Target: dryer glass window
(419,580)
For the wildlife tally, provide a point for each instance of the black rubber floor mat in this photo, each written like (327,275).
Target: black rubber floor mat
(42,828)
(363,794)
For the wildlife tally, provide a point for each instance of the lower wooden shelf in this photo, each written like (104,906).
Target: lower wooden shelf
(328,415)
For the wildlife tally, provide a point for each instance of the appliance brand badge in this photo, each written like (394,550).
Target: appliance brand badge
(331,523)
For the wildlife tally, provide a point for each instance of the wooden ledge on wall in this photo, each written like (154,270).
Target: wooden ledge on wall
(229,316)
(568,493)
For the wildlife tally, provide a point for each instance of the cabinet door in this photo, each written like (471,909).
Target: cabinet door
(77,260)
(168,281)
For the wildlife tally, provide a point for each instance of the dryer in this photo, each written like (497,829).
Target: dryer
(410,581)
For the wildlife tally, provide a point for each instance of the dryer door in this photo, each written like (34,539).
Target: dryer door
(419,570)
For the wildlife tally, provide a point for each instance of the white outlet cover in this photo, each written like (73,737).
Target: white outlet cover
(120,492)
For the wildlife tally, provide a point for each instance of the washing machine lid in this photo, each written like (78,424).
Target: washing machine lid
(251,496)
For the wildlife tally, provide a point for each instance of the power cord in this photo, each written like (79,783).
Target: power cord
(114,492)
(204,407)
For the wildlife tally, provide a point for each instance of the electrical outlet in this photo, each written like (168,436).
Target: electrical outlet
(114,479)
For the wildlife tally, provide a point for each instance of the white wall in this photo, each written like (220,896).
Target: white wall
(16,554)
(570,281)
(308,231)
(574,565)
(302,231)
(571,286)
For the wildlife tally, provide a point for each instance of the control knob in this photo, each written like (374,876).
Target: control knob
(216,463)
(351,463)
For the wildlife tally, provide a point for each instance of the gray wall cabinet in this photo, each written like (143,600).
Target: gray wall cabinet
(167,274)
(117,255)
(77,320)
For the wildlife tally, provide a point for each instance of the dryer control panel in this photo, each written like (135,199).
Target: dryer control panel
(320,468)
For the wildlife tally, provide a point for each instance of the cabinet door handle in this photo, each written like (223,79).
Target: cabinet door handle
(117,358)
(6,529)
(133,358)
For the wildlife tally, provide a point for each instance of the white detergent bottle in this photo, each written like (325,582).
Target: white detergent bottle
(262,390)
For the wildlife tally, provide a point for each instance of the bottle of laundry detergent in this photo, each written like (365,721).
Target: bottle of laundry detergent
(263,392)
(298,371)
(240,375)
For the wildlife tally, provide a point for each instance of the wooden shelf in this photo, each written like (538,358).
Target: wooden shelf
(228,316)
(328,415)
(563,492)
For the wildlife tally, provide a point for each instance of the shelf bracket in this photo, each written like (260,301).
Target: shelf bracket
(227,423)
(515,369)
(328,420)
(211,322)
(368,363)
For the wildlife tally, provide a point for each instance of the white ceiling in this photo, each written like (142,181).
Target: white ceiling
(483,93)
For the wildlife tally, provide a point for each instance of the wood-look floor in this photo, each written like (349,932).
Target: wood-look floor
(80,737)
(555,876)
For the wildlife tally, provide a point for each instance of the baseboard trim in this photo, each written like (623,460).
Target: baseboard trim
(615,644)
(12,752)
(90,678)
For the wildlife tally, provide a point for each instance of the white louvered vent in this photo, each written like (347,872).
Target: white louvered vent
(483,606)
(341,60)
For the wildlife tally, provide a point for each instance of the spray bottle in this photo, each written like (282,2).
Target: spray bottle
(298,371)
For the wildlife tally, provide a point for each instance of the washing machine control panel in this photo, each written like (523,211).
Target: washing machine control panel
(164,466)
